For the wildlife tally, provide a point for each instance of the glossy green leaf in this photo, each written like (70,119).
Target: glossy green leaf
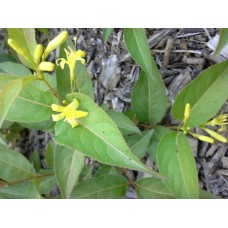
(25,38)
(151,188)
(24,190)
(16,69)
(159,132)
(175,161)
(139,143)
(125,125)
(83,81)
(106,33)
(67,166)
(62,75)
(32,105)
(103,187)
(14,166)
(223,41)
(9,93)
(206,95)
(98,137)
(149,99)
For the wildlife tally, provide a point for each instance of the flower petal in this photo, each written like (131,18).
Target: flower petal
(72,122)
(58,117)
(57,108)
(79,114)
(74,104)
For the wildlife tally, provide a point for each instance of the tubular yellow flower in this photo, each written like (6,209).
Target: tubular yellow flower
(215,135)
(38,53)
(222,119)
(72,57)
(68,112)
(46,66)
(202,137)
(53,44)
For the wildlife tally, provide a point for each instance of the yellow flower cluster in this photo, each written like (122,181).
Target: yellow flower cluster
(220,120)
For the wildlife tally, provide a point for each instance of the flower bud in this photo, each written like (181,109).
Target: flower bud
(13,44)
(53,44)
(202,137)
(46,66)
(38,53)
(187,112)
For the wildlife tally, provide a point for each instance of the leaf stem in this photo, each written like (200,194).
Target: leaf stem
(5,184)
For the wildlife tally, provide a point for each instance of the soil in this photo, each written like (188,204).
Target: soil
(180,54)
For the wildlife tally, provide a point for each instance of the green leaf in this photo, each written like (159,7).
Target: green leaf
(151,188)
(86,173)
(67,166)
(32,105)
(83,81)
(2,140)
(159,132)
(175,161)
(47,125)
(223,41)
(98,137)
(107,169)
(25,38)
(125,125)
(14,166)
(44,30)
(9,94)
(206,95)
(139,143)
(16,69)
(4,57)
(47,183)
(49,155)
(137,44)
(24,190)
(103,187)
(207,195)
(35,160)
(63,76)
(106,33)
(149,99)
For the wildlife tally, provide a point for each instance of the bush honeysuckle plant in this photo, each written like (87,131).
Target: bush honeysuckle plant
(63,103)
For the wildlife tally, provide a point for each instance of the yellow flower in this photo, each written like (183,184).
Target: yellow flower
(202,137)
(72,57)
(220,120)
(68,112)
(215,135)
